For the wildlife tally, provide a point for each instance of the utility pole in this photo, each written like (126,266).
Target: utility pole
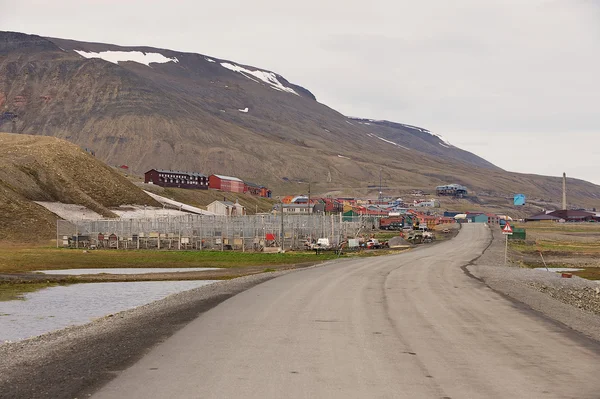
(564,196)
(282,235)
(380,193)
(309,211)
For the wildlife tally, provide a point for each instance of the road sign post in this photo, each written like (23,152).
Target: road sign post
(507,231)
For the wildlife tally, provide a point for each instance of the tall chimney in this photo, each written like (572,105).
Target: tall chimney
(564,191)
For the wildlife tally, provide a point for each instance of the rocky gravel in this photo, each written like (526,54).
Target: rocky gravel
(579,295)
(574,302)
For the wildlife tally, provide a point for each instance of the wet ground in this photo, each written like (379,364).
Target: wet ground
(58,307)
(140,270)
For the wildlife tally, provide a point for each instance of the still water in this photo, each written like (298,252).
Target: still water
(58,307)
(128,270)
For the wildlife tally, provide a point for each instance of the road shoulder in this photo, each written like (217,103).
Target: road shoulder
(562,300)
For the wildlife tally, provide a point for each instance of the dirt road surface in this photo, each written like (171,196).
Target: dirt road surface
(414,325)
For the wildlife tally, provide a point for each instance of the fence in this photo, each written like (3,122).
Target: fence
(199,232)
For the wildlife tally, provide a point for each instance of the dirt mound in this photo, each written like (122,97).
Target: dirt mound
(398,242)
(37,168)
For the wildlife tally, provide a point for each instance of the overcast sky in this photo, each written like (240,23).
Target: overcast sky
(514,81)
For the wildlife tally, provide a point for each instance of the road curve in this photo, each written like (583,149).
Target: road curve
(406,326)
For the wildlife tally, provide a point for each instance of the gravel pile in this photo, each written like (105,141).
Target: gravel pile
(574,301)
(586,298)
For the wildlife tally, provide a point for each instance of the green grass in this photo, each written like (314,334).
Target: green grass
(557,247)
(590,274)
(11,292)
(544,227)
(14,260)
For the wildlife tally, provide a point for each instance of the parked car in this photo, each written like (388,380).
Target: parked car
(373,244)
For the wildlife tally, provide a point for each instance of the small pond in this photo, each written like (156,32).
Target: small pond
(128,270)
(559,269)
(58,307)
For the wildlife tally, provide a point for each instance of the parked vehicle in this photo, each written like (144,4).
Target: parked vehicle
(391,223)
(321,244)
(373,244)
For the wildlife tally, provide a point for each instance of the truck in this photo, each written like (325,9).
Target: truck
(391,223)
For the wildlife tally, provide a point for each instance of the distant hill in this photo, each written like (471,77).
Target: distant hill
(34,168)
(154,108)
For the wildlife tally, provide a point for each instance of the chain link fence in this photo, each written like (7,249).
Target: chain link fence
(202,232)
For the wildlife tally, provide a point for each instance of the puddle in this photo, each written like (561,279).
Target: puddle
(58,307)
(11,292)
(128,270)
(559,269)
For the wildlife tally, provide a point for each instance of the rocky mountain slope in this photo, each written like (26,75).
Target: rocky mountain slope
(155,108)
(34,168)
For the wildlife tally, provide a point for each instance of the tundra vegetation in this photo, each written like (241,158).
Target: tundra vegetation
(573,245)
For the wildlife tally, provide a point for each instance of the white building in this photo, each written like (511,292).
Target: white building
(226,208)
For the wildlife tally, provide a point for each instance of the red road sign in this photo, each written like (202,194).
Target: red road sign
(507,229)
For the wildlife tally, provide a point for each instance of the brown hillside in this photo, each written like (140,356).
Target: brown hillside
(185,115)
(34,168)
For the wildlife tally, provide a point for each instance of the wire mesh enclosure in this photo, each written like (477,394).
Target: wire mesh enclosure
(202,232)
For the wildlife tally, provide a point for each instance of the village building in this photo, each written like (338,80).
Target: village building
(566,216)
(332,206)
(296,209)
(252,188)
(257,190)
(454,190)
(265,192)
(226,208)
(226,183)
(433,203)
(171,178)
(488,218)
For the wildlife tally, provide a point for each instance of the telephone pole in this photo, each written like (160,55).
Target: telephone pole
(380,193)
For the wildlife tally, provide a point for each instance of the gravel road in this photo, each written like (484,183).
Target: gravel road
(77,361)
(407,326)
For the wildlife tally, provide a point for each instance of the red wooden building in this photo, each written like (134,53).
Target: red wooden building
(226,183)
(257,189)
(265,192)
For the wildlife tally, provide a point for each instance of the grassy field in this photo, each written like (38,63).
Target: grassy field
(590,274)
(560,238)
(15,259)
(557,247)
(574,245)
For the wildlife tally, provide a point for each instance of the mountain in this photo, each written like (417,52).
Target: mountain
(154,108)
(35,168)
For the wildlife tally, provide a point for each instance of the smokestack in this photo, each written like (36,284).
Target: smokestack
(564,191)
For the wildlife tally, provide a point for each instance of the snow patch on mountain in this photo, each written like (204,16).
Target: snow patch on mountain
(121,56)
(269,78)
(209,59)
(439,136)
(442,139)
(245,110)
(387,141)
